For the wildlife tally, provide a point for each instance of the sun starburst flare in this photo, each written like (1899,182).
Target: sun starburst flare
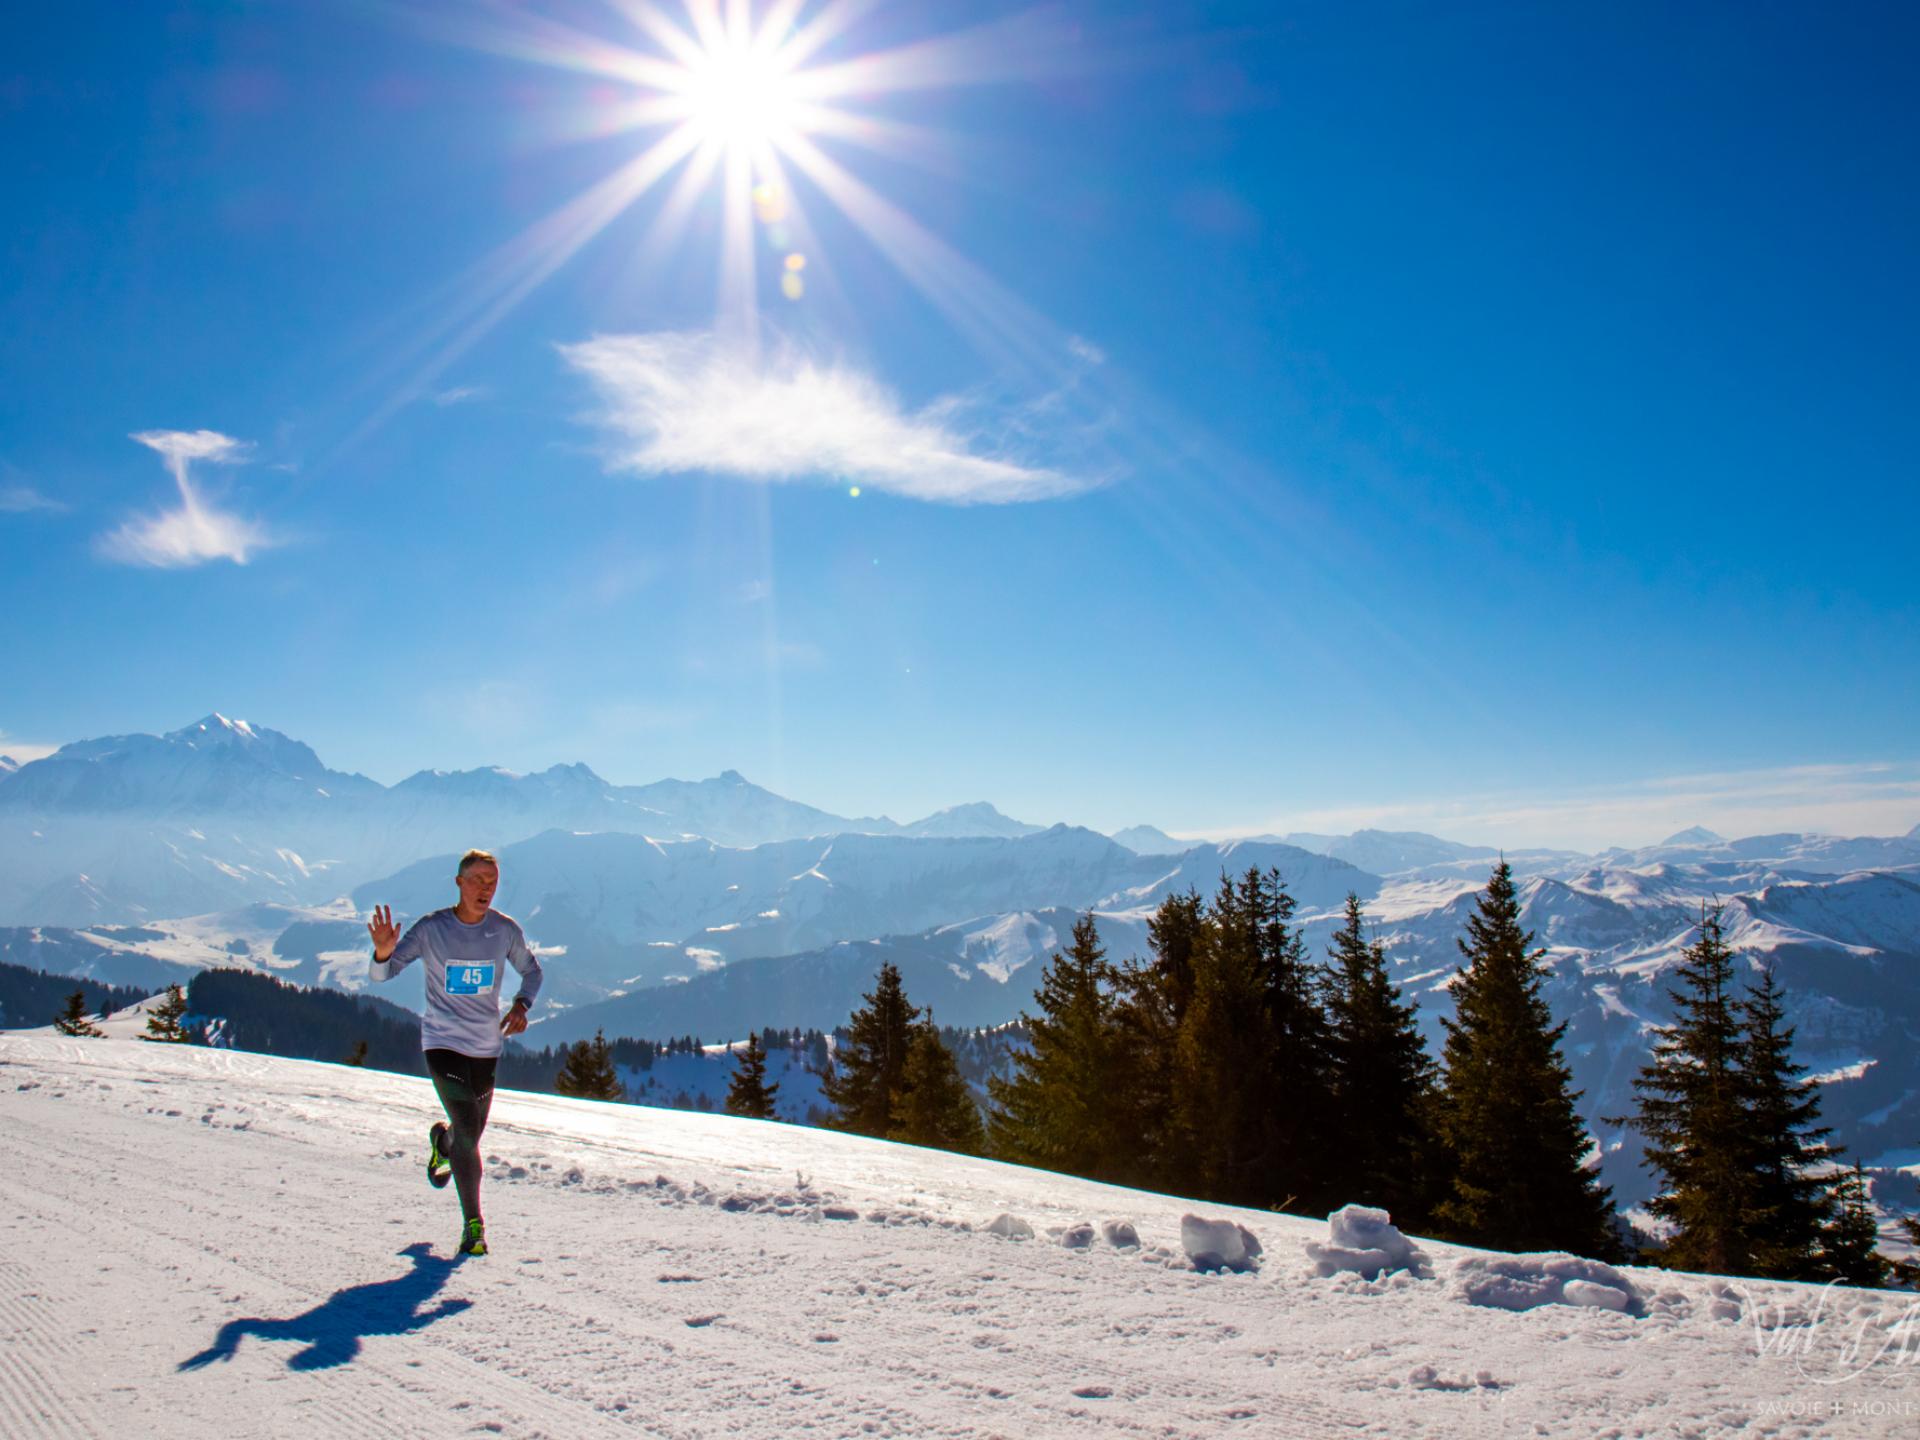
(741,101)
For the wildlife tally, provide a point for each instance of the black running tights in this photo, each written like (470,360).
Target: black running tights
(464,1084)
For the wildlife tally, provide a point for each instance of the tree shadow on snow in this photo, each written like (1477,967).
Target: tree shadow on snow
(334,1328)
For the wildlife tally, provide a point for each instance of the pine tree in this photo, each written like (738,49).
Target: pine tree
(1296,1138)
(163,1021)
(358,1055)
(1793,1201)
(1849,1247)
(1055,1109)
(73,1020)
(1381,1079)
(1223,1057)
(1507,1109)
(935,1107)
(588,1072)
(748,1093)
(1690,1107)
(1152,998)
(868,1072)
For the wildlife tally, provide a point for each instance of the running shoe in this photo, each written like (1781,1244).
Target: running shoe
(439,1163)
(473,1238)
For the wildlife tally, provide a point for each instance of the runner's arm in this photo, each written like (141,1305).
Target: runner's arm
(404,953)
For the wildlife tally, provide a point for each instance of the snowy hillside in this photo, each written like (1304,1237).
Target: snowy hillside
(664,1273)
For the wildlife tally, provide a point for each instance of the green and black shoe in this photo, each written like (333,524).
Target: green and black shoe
(473,1238)
(439,1163)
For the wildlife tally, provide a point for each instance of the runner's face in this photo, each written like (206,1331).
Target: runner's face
(477,886)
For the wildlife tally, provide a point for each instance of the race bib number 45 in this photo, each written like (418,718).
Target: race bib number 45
(469,979)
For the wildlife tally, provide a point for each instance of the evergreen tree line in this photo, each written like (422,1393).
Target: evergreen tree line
(1748,1183)
(1230,1065)
(32,997)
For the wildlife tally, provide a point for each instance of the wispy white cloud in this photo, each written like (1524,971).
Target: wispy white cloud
(1084,349)
(24,500)
(681,403)
(1881,798)
(197,530)
(459,395)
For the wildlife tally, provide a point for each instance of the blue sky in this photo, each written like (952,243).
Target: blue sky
(1496,420)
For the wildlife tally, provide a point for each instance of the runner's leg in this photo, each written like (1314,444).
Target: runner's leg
(465,1087)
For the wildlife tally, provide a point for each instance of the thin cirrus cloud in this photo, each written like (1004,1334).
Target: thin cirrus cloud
(196,530)
(25,500)
(678,403)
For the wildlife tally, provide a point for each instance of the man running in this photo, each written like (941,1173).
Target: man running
(463,1029)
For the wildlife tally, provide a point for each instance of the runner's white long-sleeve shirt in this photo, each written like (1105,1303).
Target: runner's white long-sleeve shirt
(464,971)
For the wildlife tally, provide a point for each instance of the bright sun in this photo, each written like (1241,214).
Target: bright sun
(738,96)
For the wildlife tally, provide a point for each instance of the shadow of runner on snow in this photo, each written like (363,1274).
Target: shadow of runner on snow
(334,1328)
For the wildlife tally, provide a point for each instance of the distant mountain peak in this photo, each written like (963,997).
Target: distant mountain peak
(1694,835)
(1149,840)
(8,764)
(975,818)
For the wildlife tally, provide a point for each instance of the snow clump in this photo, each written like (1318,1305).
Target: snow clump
(1120,1234)
(1365,1241)
(1010,1226)
(1219,1244)
(1521,1282)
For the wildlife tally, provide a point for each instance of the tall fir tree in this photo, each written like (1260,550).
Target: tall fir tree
(358,1055)
(1056,1109)
(1223,1060)
(1296,1136)
(935,1108)
(1152,998)
(1381,1080)
(73,1019)
(1850,1244)
(1519,1180)
(868,1073)
(1690,1106)
(163,1021)
(588,1072)
(1793,1199)
(748,1093)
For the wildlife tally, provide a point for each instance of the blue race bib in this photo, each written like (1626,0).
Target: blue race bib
(469,979)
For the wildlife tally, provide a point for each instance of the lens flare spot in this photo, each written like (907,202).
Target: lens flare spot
(792,286)
(769,203)
(854,491)
(796,262)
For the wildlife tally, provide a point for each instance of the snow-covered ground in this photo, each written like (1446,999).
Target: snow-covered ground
(209,1243)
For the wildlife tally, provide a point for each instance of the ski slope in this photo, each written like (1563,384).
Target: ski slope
(210,1243)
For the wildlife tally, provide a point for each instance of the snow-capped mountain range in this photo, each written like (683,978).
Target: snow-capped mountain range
(222,813)
(713,907)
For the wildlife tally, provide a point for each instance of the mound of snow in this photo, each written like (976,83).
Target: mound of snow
(1120,1234)
(1366,1241)
(1218,1244)
(1012,1227)
(1523,1282)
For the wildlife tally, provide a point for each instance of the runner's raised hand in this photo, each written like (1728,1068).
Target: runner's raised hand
(385,933)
